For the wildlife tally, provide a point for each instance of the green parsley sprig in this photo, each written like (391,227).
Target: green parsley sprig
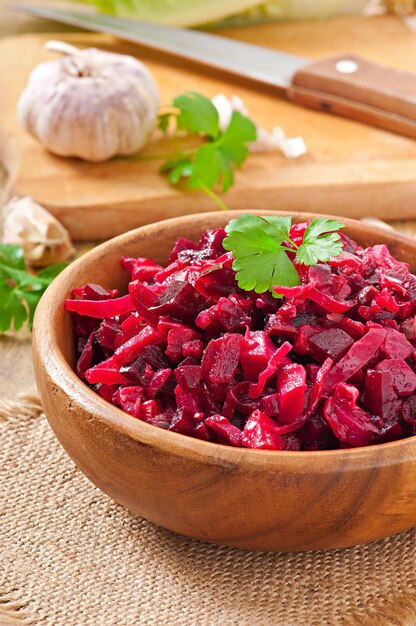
(20,291)
(260,247)
(210,165)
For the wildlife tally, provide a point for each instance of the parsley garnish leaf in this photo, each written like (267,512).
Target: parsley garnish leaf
(260,259)
(320,243)
(263,251)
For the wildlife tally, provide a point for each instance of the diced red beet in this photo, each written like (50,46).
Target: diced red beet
(379,396)
(182,422)
(404,379)
(189,376)
(348,421)
(141,269)
(106,391)
(357,356)
(291,389)
(270,405)
(396,346)
(187,399)
(232,398)
(301,345)
(220,359)
(85,358)
(129,399)
(176,339)
(333,343)
(256,389)
(389,432)
(317,389)
(292,442)
(193,348)
(409,328)
(328,303)
(316,429)
(157,382)
(138,372)
(91,291)
(256,352)
(354,328)
(227,315)
(281,323)
(179,300)
(182,245)
(149,409)
(188,350)
(222,426)
(260,432)
(171,272)
(107,333)
(367,295)
(105,375)
(143,298)
(218,279)
(408,413)
(130,327)
(387,301)
(201,432)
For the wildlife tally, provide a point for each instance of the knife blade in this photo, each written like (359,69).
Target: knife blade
(260,64)
(346,85)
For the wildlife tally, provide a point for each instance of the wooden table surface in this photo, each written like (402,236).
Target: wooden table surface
(16,373)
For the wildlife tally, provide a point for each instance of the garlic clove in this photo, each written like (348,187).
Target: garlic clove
(90,103)
(291,147)
(44,240)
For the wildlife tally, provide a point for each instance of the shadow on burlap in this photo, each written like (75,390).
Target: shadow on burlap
(72,557)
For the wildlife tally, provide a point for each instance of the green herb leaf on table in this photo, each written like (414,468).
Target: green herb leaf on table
(20,291)
(163,122)
(175,170)
(260,247)
(196,114)
(211,165)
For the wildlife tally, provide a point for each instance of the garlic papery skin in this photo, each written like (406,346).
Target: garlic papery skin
(44,240)
(89,103)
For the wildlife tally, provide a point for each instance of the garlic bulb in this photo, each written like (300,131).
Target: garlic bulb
(89,103)
(44,240)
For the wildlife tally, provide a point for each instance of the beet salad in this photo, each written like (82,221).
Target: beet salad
(261,335)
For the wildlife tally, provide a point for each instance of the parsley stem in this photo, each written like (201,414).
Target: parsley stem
(213,196)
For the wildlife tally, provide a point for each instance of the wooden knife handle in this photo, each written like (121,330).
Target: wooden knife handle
(350,86)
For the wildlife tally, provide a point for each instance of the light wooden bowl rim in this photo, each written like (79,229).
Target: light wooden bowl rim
(62,374)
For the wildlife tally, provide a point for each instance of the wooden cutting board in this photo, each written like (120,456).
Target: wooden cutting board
(350,169)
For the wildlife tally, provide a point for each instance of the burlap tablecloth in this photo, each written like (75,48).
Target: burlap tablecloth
(70,556)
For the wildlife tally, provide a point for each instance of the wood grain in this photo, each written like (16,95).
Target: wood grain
(373,94)
(251,499)
(351,169)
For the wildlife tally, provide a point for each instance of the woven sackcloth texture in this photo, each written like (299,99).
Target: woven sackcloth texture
(72,557)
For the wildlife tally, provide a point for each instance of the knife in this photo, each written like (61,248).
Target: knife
(345,84)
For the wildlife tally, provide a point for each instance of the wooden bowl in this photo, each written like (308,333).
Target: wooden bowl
(265,500)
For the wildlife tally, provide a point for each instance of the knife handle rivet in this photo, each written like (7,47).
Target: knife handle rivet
(346,66)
